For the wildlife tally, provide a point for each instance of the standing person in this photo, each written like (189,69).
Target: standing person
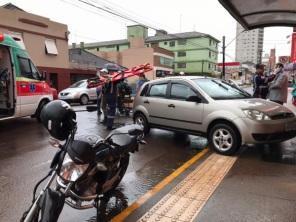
(110,92)
(260,83)
(142,79)
(99,99)
(104,74)
(278,89)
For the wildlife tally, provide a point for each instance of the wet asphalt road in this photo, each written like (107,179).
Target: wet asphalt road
(25,156)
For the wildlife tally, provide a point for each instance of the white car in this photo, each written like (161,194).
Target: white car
(78,92)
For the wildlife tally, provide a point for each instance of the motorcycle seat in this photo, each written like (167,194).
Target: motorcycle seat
(90,139)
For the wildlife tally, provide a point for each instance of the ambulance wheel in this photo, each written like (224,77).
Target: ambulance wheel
(84,99)
(38,111)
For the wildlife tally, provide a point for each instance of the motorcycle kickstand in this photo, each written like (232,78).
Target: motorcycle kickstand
(100,204)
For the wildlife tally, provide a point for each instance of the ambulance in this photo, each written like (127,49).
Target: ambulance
(23,91)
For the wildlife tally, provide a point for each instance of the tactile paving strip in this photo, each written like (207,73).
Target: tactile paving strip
(184,202)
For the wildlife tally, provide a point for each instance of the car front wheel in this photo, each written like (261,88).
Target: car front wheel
(224,139)
(84,100)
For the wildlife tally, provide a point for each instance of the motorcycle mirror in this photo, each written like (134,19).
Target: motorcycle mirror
(135,132)
(91,108)
(54,142)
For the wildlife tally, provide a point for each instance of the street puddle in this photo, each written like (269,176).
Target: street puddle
(284,153)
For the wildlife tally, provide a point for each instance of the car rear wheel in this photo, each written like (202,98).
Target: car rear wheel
(224,139)
(84,100)
(140,119)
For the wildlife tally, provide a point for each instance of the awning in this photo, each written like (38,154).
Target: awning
(262,13)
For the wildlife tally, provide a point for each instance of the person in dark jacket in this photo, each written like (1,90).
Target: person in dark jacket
(260,83)
(110,93)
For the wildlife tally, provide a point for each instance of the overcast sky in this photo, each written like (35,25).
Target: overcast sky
(89,25)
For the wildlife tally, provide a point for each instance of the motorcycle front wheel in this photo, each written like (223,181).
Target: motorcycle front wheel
(122,170)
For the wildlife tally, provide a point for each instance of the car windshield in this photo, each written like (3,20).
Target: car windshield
(220,90)
(79,84)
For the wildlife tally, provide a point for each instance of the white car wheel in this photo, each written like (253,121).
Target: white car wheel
(84,100)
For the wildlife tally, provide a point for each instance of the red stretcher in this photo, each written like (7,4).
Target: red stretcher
(117,76)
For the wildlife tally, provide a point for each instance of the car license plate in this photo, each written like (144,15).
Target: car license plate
(291,126)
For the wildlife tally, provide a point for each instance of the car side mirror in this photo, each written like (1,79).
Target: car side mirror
(194,99)
(43,76)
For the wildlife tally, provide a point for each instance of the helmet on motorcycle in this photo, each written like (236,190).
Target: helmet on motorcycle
(59,119)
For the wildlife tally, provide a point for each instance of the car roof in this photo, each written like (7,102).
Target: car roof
(179,78)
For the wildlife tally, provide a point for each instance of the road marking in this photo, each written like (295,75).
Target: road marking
(185,201)
(124,214)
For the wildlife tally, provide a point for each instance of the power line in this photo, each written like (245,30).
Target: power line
(112,11)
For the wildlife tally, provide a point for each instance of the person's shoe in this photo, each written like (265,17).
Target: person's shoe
(104,122)
(109,128)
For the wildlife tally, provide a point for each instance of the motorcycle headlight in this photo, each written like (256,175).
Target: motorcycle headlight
(71,171)
(256,115)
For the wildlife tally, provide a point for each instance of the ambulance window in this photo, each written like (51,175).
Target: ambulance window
(35,72)
(27,69)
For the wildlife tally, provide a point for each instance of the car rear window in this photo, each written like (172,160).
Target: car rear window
(144,90)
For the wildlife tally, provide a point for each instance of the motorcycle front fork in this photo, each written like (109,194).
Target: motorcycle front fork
(33,210)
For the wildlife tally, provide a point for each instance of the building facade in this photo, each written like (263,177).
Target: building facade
(249,45)
(46,42)
(134,54)
(193,52)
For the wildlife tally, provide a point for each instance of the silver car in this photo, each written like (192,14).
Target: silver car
(226,115)
(79,92)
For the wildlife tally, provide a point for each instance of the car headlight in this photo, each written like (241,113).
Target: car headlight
(256,115)
(71,171)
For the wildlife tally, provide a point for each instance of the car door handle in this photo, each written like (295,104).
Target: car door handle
(146,101)
(171,106)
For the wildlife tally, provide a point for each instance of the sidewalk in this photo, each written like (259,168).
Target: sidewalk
(258,185)
(182,198)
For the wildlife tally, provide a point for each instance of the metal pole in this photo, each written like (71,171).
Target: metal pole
(223,58)
(202,65)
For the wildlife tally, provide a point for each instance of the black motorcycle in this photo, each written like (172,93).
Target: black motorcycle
(85,169)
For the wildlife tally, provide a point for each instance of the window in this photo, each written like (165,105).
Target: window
(182,42)
(181,54)
(219,90)
(144,91)
(165,43)
(166,61)
(209,65)
(181,65)
(19,38)
(172,43)
(50,47)
(180,91)
(158,90)
(27,69)
(210,42)
(210,54)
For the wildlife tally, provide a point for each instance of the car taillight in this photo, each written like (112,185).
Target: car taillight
(1,37)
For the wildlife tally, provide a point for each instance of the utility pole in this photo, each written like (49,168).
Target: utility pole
(202,67)
(223,58)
